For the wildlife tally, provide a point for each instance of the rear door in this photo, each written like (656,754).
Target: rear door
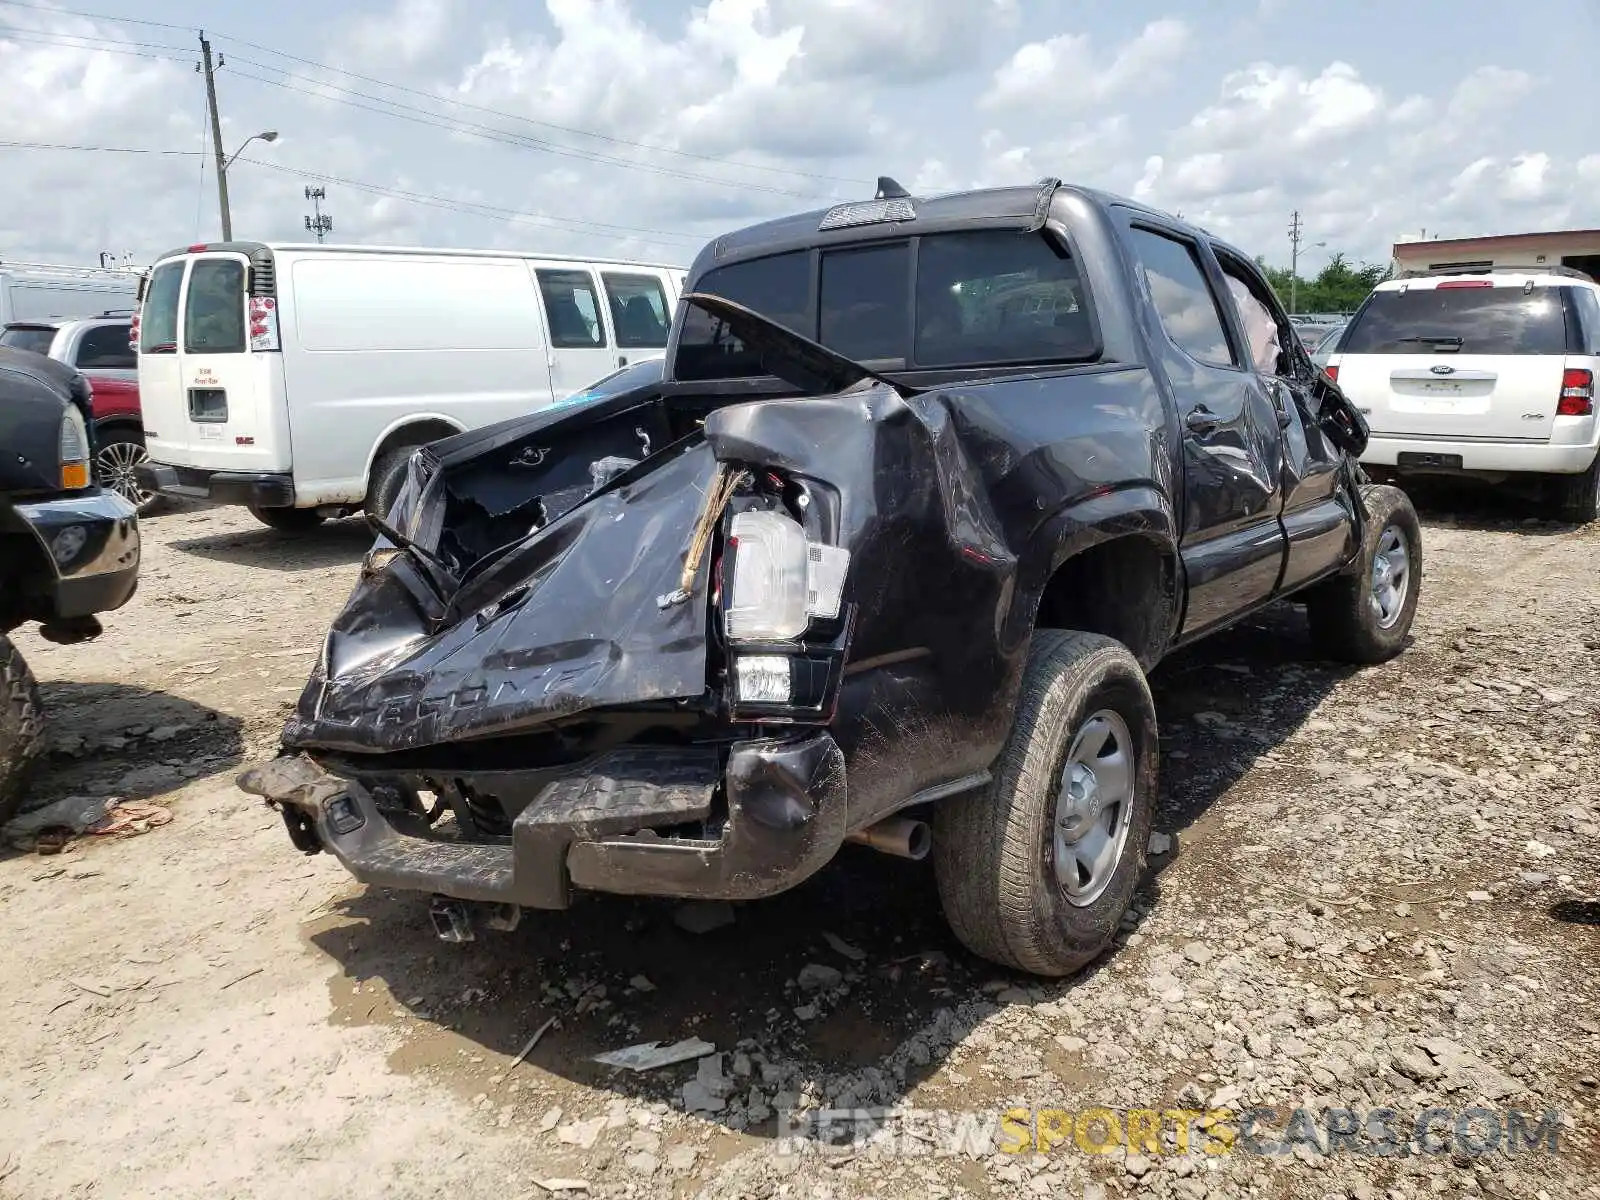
(217,371)
(1458,358)
(161,393)
(581,348)
(1232,541)
(641,312)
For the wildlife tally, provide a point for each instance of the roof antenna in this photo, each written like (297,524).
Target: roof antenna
(888,189)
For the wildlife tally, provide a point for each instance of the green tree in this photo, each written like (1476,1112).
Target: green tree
(1338,287)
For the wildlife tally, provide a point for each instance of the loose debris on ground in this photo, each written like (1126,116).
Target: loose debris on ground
(1368,891)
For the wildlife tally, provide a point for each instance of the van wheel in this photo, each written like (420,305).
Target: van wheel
(21,727)
(1578,496)
(388,477)
(1036,871)
(1365,615)
(288,520)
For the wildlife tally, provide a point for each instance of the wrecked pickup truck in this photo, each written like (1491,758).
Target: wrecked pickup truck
(927,486)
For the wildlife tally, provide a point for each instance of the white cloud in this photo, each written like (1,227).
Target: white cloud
(409,32)
(1069,71)
(1277,105)
(891,43)
(1487,94)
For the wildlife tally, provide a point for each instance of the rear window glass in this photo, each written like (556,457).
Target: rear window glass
(28,338)
(105,348)
(779,288)
(997,297)
(158,327)
(1466,320)
(866,302)
(213,319)
(981,298)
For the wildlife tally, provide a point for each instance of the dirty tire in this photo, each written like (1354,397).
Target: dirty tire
(1346,623)
(993,855)
(288,520)
(387,478)
(21,728)
(1578,496)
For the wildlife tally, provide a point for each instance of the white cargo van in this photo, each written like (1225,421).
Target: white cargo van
(296,379)
(38,291)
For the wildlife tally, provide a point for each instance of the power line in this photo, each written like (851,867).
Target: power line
(637,145)
(89,16)
(494,112)
(419,116)
(105,46)
(9,145)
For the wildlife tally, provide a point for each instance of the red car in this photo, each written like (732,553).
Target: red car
(99,348)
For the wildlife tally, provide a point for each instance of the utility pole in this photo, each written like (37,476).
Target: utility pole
(322,223)
(1295,232)
(216,135)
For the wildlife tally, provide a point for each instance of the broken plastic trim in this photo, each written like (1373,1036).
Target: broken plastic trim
(1041,205)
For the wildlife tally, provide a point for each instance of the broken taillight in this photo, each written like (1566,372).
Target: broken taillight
(1577,393)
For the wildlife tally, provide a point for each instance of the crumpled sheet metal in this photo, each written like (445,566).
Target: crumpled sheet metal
(587,634)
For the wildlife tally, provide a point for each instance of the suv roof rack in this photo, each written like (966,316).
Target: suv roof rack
(1468,269)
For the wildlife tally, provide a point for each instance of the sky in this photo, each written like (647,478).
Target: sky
(643,128)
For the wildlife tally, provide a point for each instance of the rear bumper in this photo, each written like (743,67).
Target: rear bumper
(92,542)
(612,825)
(258,489)
(1461,456)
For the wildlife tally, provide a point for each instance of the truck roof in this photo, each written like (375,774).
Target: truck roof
(1014,207)
(252,247)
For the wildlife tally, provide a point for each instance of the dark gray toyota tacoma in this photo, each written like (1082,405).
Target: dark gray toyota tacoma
(925,489)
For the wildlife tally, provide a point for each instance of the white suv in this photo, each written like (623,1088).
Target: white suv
(1489,374)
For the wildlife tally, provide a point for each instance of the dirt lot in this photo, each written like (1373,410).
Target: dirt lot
(1381,893)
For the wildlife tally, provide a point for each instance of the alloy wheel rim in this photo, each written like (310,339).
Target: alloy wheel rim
(1094,807)
(114,469)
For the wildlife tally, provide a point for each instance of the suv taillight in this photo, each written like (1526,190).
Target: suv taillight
(1577,393)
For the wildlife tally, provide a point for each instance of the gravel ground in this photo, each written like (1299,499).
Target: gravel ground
(1375,891)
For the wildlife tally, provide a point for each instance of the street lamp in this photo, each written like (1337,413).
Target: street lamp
(269,135)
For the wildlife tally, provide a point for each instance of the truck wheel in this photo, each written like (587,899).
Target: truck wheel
(387,478)
(21,727)
(1578,496)
(1364,617)
(1036,871)
(288,520)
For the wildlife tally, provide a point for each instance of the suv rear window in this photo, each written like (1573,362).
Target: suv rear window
(981,298)
(1465,320)
(28,337)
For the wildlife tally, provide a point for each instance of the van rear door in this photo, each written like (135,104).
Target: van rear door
(161,397)
(229,389)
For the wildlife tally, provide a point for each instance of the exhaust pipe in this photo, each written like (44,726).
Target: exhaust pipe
(899,836)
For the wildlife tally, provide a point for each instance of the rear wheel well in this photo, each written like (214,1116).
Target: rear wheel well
(1123,588)
(416,433)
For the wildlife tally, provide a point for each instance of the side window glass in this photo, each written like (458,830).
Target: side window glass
(1266,337)
(1589,315)
(573,310)
(105,348)
(639,312)
(1182,297)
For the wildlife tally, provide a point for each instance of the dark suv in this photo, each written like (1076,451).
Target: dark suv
(99,349)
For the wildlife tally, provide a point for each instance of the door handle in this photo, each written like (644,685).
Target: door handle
(1199,419)
(622,360)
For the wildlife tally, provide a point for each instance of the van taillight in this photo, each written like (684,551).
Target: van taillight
(1577,393)
(133,331)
